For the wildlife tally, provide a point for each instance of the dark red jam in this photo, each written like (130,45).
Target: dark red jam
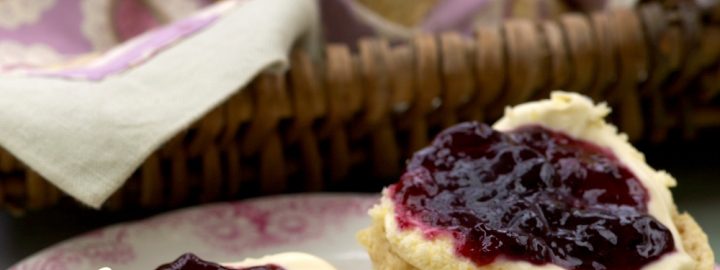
(533,195)
(189,261)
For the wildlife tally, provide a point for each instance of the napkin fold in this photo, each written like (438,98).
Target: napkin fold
(88,136)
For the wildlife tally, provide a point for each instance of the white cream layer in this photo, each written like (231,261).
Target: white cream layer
(288,260)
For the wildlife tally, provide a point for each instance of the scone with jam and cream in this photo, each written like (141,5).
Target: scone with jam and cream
(281,261)
(550,186)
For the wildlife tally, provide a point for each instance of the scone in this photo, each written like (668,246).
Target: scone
(281,261)
(550,186)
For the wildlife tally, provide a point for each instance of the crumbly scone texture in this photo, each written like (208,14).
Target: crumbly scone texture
(695,242)
(381,253)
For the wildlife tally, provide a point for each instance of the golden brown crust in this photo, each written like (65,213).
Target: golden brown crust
(380,251)
(695,241)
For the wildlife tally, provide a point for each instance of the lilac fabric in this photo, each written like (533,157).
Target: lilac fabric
(454,15)
(345,24)
(341,24)
(59,27)
(86,39)
(142,19)
(92,39)
(127,55)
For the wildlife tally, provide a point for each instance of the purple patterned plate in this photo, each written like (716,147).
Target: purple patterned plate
(320,224)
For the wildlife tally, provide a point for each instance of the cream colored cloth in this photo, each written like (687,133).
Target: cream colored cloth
(88,137)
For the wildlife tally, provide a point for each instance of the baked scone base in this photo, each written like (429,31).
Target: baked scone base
(381,253)
(695,242)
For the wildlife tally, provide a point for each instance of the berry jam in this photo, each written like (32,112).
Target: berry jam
(533,195)
(189,261)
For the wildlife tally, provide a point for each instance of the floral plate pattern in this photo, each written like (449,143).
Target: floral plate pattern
(320,224)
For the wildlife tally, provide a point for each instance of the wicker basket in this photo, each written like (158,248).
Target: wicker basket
(349,123)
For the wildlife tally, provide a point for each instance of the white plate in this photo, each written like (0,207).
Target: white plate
(320,224)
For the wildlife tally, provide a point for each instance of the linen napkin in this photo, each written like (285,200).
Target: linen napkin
(87,125)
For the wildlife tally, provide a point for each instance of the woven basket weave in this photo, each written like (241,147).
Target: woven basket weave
(349,122)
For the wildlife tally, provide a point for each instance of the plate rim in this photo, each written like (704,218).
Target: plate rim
(188,209)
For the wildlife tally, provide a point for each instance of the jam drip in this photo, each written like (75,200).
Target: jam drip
(189,261)
(533,195)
